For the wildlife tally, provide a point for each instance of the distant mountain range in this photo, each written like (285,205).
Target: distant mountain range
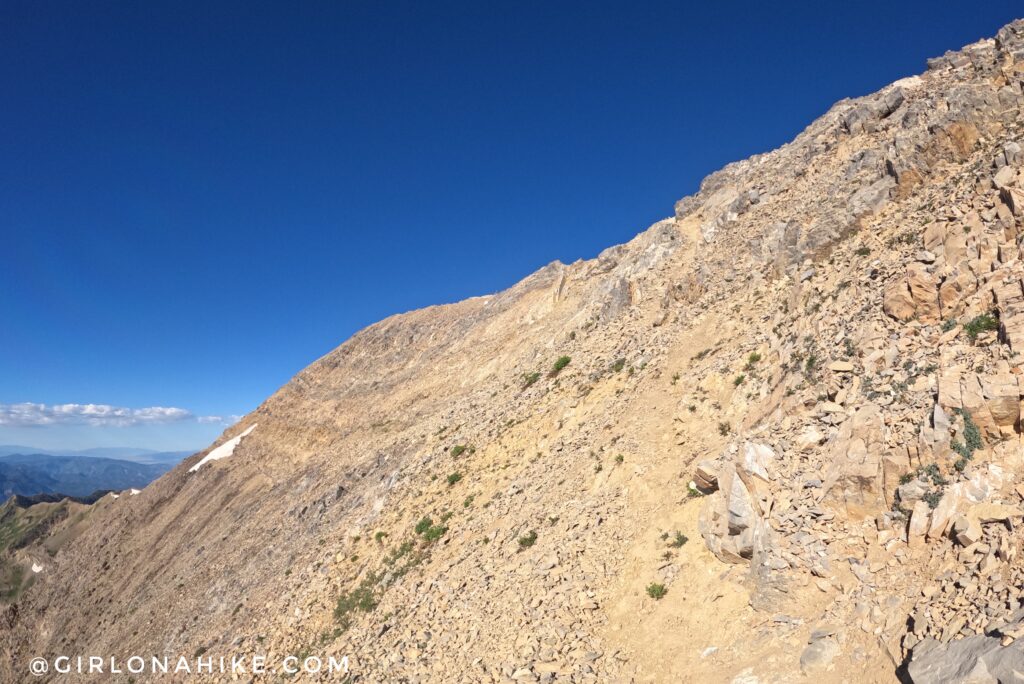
(33,474)
(135,454)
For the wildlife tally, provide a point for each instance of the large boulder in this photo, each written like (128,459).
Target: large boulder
(854,483)
(976,659)
(732,519)
(916,295)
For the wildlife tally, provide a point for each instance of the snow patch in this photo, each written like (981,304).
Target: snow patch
(223,451)
(114,496)
(133,492)
(37,568)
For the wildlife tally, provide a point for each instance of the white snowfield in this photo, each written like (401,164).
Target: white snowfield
(134,492)
(223,451)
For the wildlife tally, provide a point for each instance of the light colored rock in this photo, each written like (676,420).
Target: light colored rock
(898,302)
(818,656)
(809,438)
(966,530)
(757,459)
(948,508)
(854,481)
(920,521)
(1004,177)
(994,512)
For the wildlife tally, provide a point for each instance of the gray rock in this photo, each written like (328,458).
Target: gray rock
(871,198)
(972,660)
(818,655)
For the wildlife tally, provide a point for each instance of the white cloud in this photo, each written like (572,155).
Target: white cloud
(223,420)
(29,414)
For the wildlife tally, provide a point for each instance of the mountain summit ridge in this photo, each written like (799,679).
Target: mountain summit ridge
(779,413)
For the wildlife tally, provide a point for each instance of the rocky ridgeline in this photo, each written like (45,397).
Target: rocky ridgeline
(776,435)
(896,487)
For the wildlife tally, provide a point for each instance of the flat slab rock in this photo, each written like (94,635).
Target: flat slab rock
(973,660)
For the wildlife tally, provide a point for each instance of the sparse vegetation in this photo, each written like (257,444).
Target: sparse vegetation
(679,540)
(560,364)
(454,478)
(618,365)
(980,324)
(359,599)
(724,428)
(908,238)
(458,450)
(971,441)
(656,591)
(528,540)
(738,380)
(863,251)
(529,379)
(423,525)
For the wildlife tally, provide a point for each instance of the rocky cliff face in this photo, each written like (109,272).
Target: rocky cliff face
(778,432)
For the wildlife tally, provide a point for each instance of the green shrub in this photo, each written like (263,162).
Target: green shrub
(679,540)
(656,591)
(561,363)
(863,251)
(454,478)
(529,379)
(738,380)
(948,324)
(980,324)
(528,540)
(361,598)
(458,450)
(619,365)
(434,532)
(971,442)
(424,524)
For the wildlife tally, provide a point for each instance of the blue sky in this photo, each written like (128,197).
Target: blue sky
(199,199)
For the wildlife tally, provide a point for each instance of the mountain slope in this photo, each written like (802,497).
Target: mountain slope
(805,339)
(29,474)
(119,453)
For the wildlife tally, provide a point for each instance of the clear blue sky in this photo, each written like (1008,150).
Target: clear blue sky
(199,199)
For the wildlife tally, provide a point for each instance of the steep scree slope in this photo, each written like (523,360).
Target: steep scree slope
(793,406)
